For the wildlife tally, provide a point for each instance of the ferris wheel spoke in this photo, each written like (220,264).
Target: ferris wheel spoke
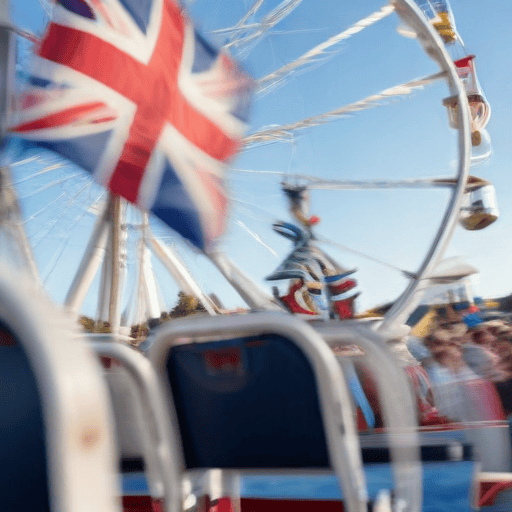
(364,255)
(42,172)
(259,30)
(315,183)
(59,252)
(64,212)
(256,237)
(318,184)
(286,132)
(269,81)
(25,161)
(44,208)
(245,205)
(60,181)
(241,24)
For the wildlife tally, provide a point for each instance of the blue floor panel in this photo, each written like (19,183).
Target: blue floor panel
(446,486)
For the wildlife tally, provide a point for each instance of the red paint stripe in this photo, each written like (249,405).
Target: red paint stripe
(289,505)
(153,88)
(61,118)
(136,153)
(464,62)
(199,130)
(96,58)
(138,82)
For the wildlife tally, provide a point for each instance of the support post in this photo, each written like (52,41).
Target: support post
(250,292)
(93,256)
(180,273)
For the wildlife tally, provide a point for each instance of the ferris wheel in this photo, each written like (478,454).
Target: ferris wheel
(346,107)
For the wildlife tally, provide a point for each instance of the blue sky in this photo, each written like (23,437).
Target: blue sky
(406,139)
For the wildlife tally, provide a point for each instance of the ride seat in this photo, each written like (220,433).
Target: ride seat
(259,392)
(56,446)
(23,458)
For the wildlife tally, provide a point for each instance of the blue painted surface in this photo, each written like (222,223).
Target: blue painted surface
(446,486)
(134,484)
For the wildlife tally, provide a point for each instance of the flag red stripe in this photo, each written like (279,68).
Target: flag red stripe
(198,129)
(139,82)
(61,118)
(129,171)
(96,58)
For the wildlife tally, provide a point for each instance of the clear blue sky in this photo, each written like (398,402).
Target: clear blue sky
(407,139)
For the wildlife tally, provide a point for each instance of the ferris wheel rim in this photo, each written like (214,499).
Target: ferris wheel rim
(435,48)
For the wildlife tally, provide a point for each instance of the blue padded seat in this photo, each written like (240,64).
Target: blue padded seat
(23,465)
(247,403)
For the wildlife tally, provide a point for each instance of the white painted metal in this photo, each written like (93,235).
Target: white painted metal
(118,261)
(150,287)
(153,306)
(335,398)
(162,452)
(12,227)
(398,404)
(180,273)
(434,47)
(114,265)
(93,256)
(10,216)
(248,290)
(7,65)
(102,311)
(76,412)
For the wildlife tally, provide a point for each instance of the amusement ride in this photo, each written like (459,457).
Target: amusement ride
(300,398)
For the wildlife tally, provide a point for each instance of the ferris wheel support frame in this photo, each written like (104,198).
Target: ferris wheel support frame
(420,280)
(10,215)
(93,256)
(248,290)
(10,220)
(7,64)
(116,264)
(434,47)
(147,275)
(173,264)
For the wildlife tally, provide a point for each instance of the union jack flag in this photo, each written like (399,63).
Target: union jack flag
(129,91)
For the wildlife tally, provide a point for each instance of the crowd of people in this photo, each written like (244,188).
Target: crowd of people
(469,365)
